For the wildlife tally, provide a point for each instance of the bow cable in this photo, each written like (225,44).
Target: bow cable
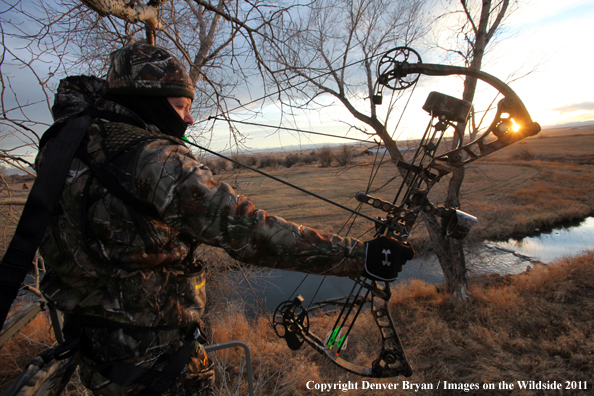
(335,337)
(336,329)
(216,118)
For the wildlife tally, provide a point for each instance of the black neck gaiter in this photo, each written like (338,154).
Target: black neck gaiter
(155,110)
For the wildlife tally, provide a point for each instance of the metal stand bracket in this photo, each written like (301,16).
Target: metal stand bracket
(248,358)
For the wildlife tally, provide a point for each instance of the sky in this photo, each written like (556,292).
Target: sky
(549,37)
(548,40)
(561,90)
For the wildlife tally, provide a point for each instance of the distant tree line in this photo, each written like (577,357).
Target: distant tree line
(325,157)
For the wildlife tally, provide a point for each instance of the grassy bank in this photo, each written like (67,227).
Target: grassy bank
(535,326)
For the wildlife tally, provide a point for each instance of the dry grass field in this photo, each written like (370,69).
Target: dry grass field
(536,183)
(530,327)
(535,326)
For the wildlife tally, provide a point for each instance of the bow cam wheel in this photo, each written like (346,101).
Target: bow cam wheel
(290,321)
(388,69)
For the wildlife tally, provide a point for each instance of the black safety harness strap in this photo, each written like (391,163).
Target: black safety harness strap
(63,139)
(38,210)
(156,382)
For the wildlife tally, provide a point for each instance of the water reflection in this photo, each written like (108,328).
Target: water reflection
(564,241)
(280,285)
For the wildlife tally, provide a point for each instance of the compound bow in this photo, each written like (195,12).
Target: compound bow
(511,123)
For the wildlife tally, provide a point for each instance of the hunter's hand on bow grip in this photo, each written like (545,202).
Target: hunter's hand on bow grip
(385,257)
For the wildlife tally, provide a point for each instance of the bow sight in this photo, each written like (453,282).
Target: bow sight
(398,69)
(446,112)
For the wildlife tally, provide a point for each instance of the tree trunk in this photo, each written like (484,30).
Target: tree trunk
(451,257)
(449,251)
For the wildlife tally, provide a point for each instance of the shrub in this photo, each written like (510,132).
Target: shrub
(291,160)
(268,162)
(525,154)
(251,160)
(240,159)
(345,155)
(310,158)
(325,156)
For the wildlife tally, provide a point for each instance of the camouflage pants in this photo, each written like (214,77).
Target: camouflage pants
(144,348)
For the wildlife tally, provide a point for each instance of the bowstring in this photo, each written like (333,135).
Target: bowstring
(392,137)
(376,167)
(216,118)
(283,182)
(352,219)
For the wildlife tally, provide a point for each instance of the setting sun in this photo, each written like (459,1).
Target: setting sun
(515,127)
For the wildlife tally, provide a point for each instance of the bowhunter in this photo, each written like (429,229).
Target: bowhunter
(121,247)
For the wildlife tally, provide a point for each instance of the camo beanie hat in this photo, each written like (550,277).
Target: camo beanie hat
(141,77)
(143,69)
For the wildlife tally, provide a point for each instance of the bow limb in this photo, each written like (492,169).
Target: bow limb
(430,69)
(291,323)
(447,162)
(511,111)
(512,101)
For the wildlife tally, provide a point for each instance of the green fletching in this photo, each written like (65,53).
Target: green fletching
(332,338)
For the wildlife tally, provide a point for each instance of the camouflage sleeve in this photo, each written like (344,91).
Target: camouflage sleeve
(191,201)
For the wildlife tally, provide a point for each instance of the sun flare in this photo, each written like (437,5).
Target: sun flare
(515,127)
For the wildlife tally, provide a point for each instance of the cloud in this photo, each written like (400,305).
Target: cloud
(584,106)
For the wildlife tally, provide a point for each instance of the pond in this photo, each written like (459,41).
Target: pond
(505,257)
(563,241)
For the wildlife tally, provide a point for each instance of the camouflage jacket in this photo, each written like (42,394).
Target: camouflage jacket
(111,260)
